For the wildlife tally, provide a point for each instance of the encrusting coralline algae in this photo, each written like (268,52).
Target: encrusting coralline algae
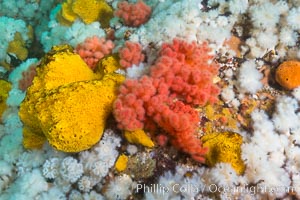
(152,99)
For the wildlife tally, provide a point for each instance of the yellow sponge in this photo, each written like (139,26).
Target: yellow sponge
(67,104)
(108,64)
(139,137)
(59,67)
(87,10)
(32,140)
(121,163)
(4,90)
(224,147)
(73,116)
(17,47)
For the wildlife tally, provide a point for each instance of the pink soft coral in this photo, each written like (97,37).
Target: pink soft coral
(180,79)
(133,14)
(180,121)
(129,107)
(131,54)
(93,49)
(185,68)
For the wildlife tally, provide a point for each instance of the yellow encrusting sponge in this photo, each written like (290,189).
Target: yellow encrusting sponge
(67,104)
(224,147)
(87,10)
(139,137)
(121,163)
(4,90)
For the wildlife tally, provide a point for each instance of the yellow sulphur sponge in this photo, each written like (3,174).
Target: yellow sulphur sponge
(18,47)
(121,163)
(58,67)
(66,104)
(87,10)
(4,90)
(224,147)
(108,64)
(73,117)
(139,137)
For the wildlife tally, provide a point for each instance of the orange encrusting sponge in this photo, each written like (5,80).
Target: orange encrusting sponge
(288,74)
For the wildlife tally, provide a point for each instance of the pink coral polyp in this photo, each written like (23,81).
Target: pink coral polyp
(185,68)
(131,54)
(93,49)
(180,79)
(129,107)
(133,15)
